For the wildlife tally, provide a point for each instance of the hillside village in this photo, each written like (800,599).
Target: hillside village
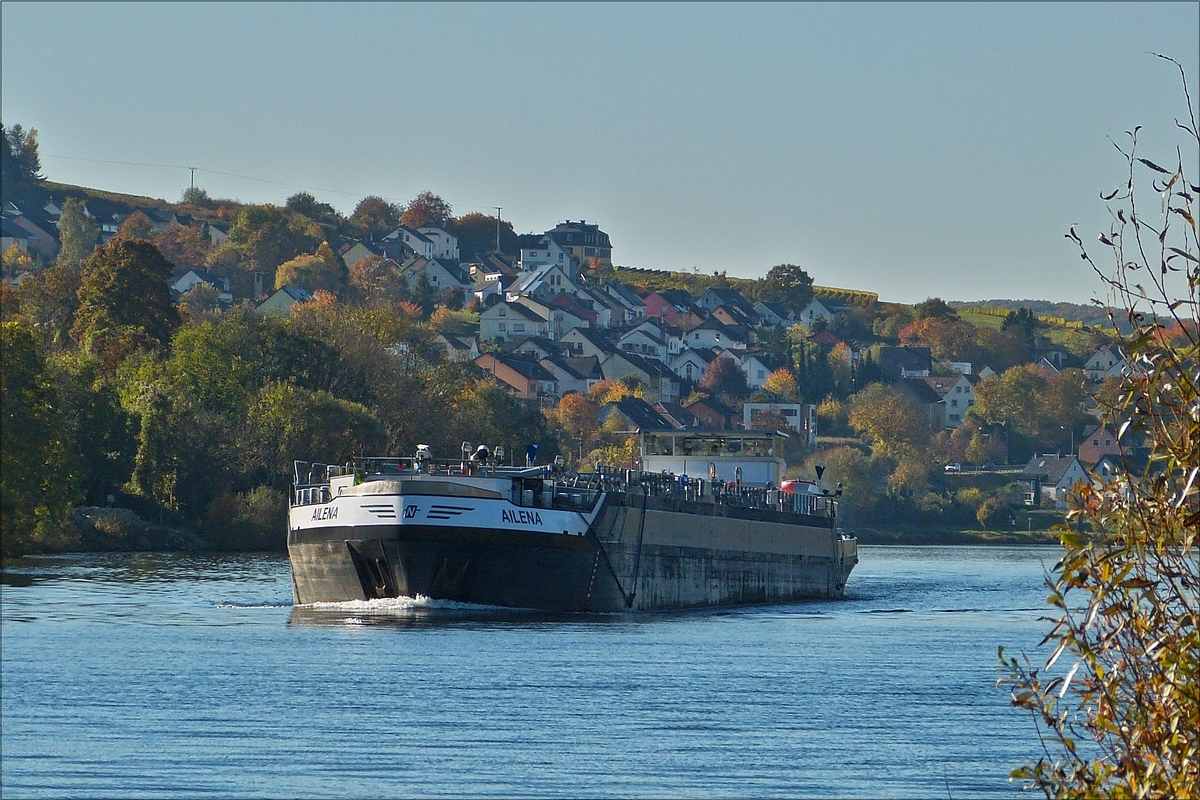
(899,401)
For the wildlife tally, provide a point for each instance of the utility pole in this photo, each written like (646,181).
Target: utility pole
(193,169)
(497,229)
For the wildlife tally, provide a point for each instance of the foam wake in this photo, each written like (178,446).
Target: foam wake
(401,605)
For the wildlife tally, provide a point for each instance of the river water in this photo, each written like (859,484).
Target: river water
(180,675)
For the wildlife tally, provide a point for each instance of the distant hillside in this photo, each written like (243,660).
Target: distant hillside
(217,210)
(1071,312)
(697,283)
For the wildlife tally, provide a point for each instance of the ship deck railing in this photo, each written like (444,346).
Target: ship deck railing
(572,491)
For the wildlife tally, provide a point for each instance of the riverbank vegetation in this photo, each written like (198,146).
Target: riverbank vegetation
(1118,700)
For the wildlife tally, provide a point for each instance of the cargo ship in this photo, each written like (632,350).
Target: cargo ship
(706,520)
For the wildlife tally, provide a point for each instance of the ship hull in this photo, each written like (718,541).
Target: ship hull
(635,556)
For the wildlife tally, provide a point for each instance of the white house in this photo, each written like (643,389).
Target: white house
(441,275)
(354,252)
(417,242)
(644,343)
(816,310)
(505,321)
(958,392)
(584,342)
(458,347)
(559,320)
(757,367)
(691,363)
(712,333)
(544,283)
(445,243)
(193,278)
(1106,362)
(662,383)
(545,252)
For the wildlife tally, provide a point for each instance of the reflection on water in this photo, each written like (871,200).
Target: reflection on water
(185,674)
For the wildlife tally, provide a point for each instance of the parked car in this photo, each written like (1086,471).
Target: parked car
(954,467)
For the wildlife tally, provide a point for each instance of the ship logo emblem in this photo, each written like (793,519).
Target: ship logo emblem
(447,512)
(410,512)
(381,510)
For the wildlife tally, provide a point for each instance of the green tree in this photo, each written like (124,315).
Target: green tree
(199,303)
(934,308)
(124,301)
(1125,591)
(426,208)
(101,432)
(48,300)
(1012,399)
(37,484)
(267,236)
(375,217)
(788,285)
(286,422)
(304,203)
(77,234)
(476,234)
(321,270)
(195,196)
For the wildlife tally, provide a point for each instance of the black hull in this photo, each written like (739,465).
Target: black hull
(666,561)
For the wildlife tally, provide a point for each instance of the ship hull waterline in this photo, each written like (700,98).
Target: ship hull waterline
(630,560)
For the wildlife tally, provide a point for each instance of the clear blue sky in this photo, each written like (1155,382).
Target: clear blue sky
(914,150)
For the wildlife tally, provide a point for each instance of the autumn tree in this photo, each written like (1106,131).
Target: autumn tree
(376,279)
(77,234)
(782,382)
(577,414)
(724,376)
(890,420)
(788,285)
(426,208)
(136,226)
(185,246)
(16,260)
(124,301)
